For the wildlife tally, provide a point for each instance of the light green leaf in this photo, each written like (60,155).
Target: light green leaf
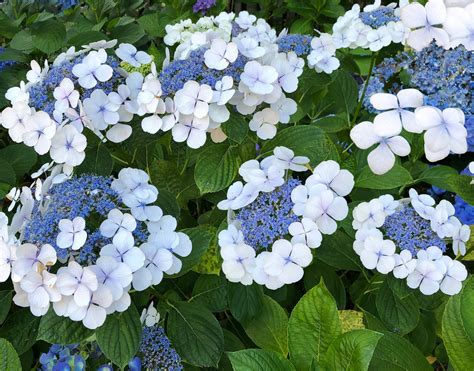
(457,325)
(195,333)
(61,330)
(268,329)
(352,351)
(314,324)
(48,36)
(9,360)
(119,337)
(396,177)
(259,360)
(216,168)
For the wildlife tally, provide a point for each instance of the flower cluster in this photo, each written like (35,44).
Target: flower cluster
(448,25)
(81,243)
(408,237)
(86,89)
(444,131)
(275,220)
(62,357)
(375,27)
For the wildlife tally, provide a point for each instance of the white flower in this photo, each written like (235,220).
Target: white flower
(442,220)
(117,223)
(245,20)
(445,131)
(220,54)
(264,179)
(94,314)
(239,263)
(427,276)
(423,204)
(193,99)
(323,44)
(93,69)
(35,75)
(456,273)
(116,276)
(382,158)
(459,24)
(305,232)
(286,158)
(396,115)
(157,261)
(261,277)
(249,47)
(31,258)
(330,174)
(150,316)
(7,258)
(404,264)
(287,78)
(425,22)
(325,209)
(230,236)
(369,214)
(323,62)
(379,38)
(68,146)
(166,223)
(128,53)
(264,123)
(41,290)
(389,204)
(223,91)
(122,249)
(101,110)
(149,97)
(176,243)
(301,194)
(77,281)
(72,233)
(285,108)
(461,234)
(66,96)
(14,119)
(40,129)
(286,261)
(259,79)
(18,94)
(133,182)
(378,254)
(101,44)
(238,196)
(191,130)
(361,235)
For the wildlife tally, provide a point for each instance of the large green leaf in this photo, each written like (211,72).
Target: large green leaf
(400,315)
(20,157)
(458,329)
(259,360)
(61,330)
(236,128)
(5,304)
(20,329)
(395,177)
(98,161)
(210,290)
(195,333)
(394,353)
(314,324)
(7,173)
(9,360)
(48,36)
(244,301)
(336,250)
(216,168)
(352,351)
(268,329)
(304,140)
(119,337)
(342,93)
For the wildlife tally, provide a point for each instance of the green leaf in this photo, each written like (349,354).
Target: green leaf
(332,124)
(85,38)
(7,174)
(7,27)
(342,93)
(236,128)
(22,41)
(259,360)
(20,158)
(5,304)
(168,203)
(129,33)
(352,350)
(314,324)
(268,329)
(119,337)
(48,36)
(394,353)
(244,301)
(400,315)
(216,168)
(61,330)
(395,177)
(210,290)
(20,329)
(457,325)
(336,250)
(201,238)
(151,24)
(195,333)
(98,161)
(304,140)
(8,357)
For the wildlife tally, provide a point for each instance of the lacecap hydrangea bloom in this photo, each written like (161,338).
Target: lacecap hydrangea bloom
(230,60)
(81,243)
(276,218)
(412,238)
(82,90)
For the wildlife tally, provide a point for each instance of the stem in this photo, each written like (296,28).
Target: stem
(359,105)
